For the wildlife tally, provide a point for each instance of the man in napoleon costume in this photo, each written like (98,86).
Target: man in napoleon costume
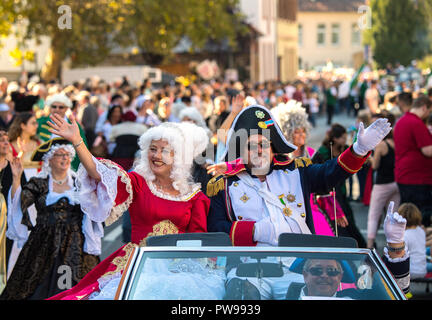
(263,193)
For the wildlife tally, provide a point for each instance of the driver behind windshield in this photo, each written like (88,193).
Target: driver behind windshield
(322,278)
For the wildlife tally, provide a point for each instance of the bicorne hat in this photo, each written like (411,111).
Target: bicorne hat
(46,147)
(255,119)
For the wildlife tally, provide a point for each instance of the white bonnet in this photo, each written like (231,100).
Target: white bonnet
(61,98)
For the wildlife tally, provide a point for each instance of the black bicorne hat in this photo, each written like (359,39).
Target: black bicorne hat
(255,119)
(23,102)
(46,147)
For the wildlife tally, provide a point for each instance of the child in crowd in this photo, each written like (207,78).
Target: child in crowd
(415,239)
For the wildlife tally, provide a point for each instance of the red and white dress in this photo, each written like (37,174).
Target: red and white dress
(151,213)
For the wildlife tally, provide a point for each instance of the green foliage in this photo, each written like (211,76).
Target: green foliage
(426,63)
(170,20)
(400,30)
(98,26)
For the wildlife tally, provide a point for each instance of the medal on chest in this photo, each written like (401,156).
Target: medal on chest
(286,211)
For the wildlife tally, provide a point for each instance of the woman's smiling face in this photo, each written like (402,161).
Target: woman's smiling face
(61,160)
(161,158)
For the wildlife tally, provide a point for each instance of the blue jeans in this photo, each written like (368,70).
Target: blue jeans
(421,196)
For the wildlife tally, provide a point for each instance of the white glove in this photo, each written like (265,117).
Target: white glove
(368,139)
(394,225)
(264,232)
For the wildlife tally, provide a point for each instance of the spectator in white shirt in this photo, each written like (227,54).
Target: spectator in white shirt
(415,239)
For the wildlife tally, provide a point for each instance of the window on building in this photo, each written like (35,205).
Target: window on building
(335,34)
(300,34)
(321,34)
(355,34)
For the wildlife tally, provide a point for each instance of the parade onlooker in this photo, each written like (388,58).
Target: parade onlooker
(6,182)
(219,115)
(24,141)
(372,97)
(404,101)
(164,111)
(331,99)
(6,116)
(145,108)
(384,187)
(125,135)
(114,117)
(415,239)
(313,106)
(59,104)
(88,115)
(344,96)
(413,150)
(62,235)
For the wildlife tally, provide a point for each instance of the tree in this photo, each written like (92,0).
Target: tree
(86,31)
(399,31)
(157,27)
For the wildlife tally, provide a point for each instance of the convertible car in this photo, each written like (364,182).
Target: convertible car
(207,267)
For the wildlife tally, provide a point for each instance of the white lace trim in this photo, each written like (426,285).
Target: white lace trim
(107,288)
(186,197)
(395,260)
(118,210)
(98,198)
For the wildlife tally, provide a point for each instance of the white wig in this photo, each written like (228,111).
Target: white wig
(60,98)
(186,139)
(194,114)
(46,169)
(291,116)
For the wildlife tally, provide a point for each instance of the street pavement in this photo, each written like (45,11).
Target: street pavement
(113,234)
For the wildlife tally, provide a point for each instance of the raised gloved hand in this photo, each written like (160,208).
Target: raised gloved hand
(394,226)
(368,139)
(265,232)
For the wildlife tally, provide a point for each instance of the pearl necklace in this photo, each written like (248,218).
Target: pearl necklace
(60,182)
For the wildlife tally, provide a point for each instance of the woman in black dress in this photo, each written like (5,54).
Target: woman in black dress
(64,244)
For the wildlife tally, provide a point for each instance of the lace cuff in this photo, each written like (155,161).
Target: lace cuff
(98,199)
(396,260)
(93,232)
(16,230)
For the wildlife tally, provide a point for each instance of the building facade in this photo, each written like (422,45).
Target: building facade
(330,31)
(262,15)
(287,40)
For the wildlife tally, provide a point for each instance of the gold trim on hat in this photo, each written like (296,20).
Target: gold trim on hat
(45,147)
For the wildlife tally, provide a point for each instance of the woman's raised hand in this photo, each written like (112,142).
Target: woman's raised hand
(17,168)
(68,131)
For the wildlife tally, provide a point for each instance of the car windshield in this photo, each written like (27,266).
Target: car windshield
(243,275)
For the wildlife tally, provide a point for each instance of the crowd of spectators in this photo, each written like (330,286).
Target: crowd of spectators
(113,115)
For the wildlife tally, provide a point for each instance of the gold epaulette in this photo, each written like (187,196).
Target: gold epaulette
(302,162)
(215,185)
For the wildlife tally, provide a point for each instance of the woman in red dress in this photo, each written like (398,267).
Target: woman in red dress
(159,193)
